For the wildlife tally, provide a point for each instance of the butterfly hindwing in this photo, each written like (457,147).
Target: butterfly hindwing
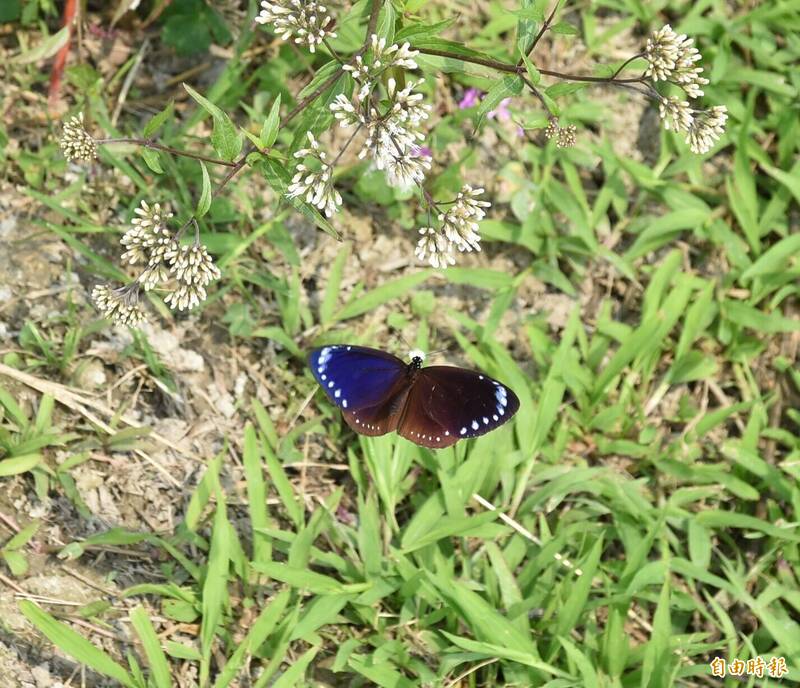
(447,404)
(381,418)
(356,377)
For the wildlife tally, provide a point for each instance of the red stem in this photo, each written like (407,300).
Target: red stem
(70,9)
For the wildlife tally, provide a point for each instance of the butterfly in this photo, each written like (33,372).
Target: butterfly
(433,407)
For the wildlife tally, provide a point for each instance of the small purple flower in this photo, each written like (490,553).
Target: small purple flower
(421,152)
(501,111)
(470,98)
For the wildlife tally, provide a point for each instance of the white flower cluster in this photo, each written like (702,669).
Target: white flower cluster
(307,21)
(150,241)
(315,184)
(671,57)
(76,143)
(120,305)
(459,230)
(393,142)
(393,133)
(194,270)
(380,58)
(703,128)
(393,137)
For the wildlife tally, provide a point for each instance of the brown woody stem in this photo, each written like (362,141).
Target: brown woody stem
(149,143)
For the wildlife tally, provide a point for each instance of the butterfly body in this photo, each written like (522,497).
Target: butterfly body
(433,406)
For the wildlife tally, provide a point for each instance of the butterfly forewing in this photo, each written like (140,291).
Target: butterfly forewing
(447,404)
(356,377)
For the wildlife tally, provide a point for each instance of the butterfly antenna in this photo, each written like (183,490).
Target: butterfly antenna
(400,336)
(522,530)
(437,352)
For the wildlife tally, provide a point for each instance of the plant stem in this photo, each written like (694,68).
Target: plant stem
(149,143)
(346,145)
(332,51)
(539,35)
(538,94)
(514,69)
(626,63)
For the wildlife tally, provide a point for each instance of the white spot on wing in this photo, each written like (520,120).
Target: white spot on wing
(474,424)
(463,431)
(344,403)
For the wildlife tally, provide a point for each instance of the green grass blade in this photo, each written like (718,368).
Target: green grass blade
(159,666)
(215,586)
(256,496)
(75,645)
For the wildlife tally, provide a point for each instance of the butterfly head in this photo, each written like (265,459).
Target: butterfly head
(417,358)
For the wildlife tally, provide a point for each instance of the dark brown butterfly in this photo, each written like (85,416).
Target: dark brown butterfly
(433,407)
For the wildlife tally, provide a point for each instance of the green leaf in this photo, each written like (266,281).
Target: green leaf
(775,258)
(281,483)
(693,366)
(23,536)
(535,11)
(418,31)
(16,562)
(269,132)
(331,297)
(224,137)
(256,495)
(47,48)
(181,651)
(152,159)
(215,586)
(257,635)
(584,664)
(528,26)
(308,580)
(159,667)
(506,87)
(74,644)
(488,649)
(19,464)
(716,518)
(13,408)
(744,315)
(205,196)
(157,121)
(564,28)
(393,289)
(387,17)
(295,674)
(533,73)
